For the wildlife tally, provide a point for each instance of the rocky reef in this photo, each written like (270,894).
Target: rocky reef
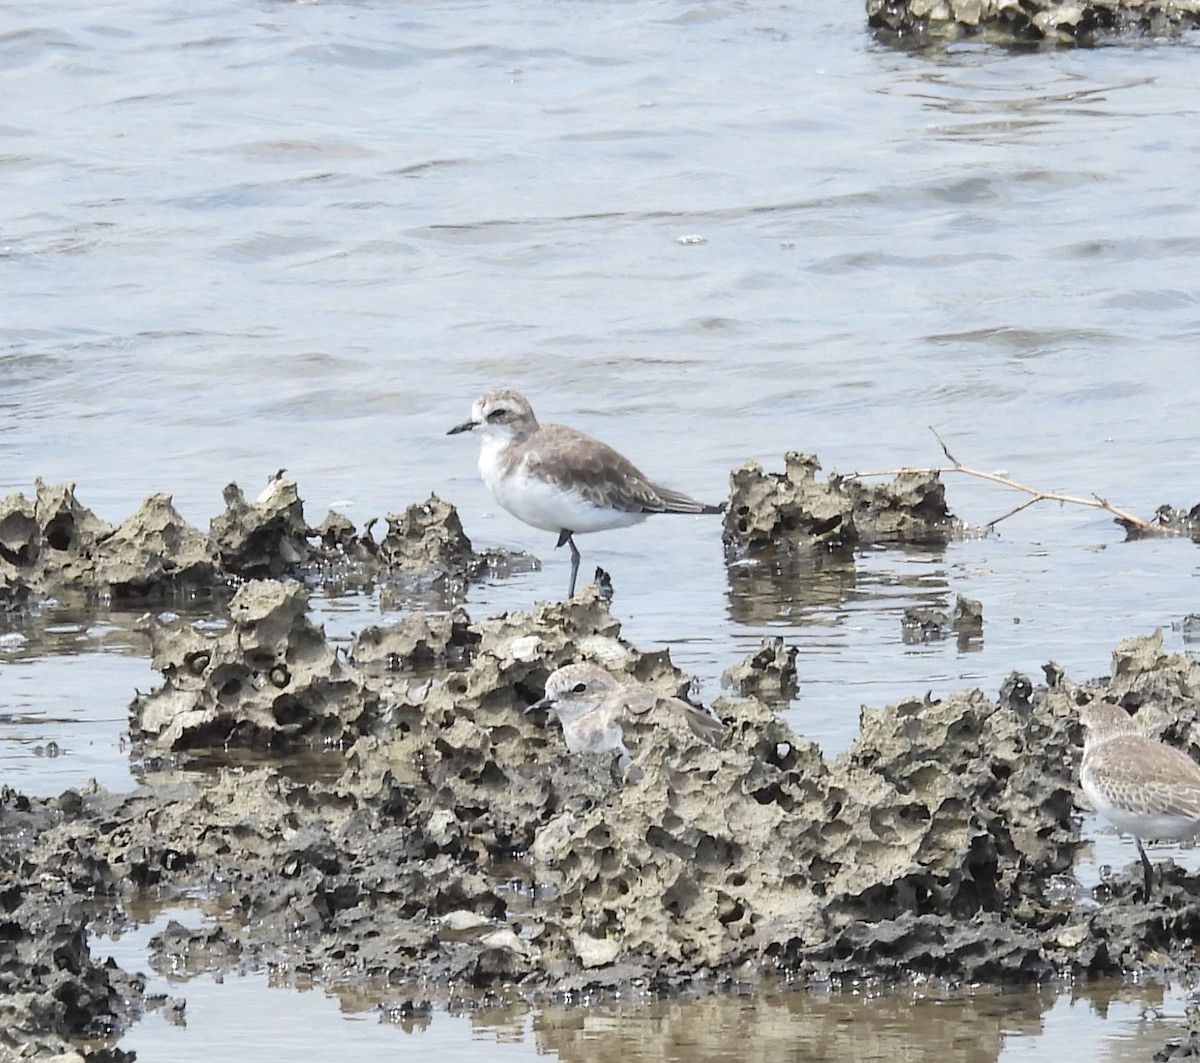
(1062,22)
(54,546)
(793,510)
(391,811)
(450,838)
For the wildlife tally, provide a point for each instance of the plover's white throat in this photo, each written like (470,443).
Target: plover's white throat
(1142,786)
(592,704)
(558,479)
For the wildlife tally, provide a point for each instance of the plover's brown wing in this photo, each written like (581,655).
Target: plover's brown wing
(704,725)
(640,700)
(1146,776)
(577,462)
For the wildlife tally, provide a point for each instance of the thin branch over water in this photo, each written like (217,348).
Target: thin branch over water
(1094,501)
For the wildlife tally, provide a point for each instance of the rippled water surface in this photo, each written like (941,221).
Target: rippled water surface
(239,237)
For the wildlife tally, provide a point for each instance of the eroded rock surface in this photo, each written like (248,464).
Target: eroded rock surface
(53,545)
(450,838)
(793,510)
(53,991)
(270,680)
(768,674)
(1021,21)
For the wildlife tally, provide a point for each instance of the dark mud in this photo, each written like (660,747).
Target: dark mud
(447,838)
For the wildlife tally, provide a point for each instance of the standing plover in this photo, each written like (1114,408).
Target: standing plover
(1142,786)
(558,479)
(591,705)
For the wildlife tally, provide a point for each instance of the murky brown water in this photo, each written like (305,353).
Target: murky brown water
(237,238)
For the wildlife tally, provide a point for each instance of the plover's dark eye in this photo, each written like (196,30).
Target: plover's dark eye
(579,688)
(497,415)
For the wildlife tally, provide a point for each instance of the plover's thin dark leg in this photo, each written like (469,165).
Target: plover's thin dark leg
(556,478)
(1145,867)
(566,537)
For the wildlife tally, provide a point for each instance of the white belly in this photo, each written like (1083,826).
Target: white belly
(1145,823)
(544,504)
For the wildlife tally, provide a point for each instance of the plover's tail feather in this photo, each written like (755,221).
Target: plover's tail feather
(677,502)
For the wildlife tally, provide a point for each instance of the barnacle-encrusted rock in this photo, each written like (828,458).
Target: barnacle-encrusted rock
(262,539)
(53,545)
(936,844)
(769,673)
(425,535)
(1068,22)
(756,850)
(420,639)
(153,551)
(269,680)
(793,510)
(53,991)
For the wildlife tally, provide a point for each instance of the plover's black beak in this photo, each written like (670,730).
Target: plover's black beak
(544,705)
(466,426)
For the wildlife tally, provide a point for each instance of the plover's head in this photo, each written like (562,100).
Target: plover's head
(575,690)
(1103,720)
(502,414)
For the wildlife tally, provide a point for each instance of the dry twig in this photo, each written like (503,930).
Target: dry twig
(1095,501)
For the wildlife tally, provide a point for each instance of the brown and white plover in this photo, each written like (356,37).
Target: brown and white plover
(558,479)
(1142,786)
(591,704)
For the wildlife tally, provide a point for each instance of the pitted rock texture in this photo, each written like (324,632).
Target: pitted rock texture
(154,549)
(50,538)
(769,673)
(422,639)
(270,680)
(457,841)
(53,545)
(425,535)
(793,510)
(52,989)
(1085,22)
(262,539)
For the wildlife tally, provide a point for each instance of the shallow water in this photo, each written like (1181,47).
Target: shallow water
(238,238)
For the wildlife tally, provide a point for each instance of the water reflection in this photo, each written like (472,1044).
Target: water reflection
(789,589)
(797,1025)
(823,587)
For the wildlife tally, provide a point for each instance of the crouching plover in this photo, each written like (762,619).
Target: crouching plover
(558,479)
(592,704)
(1142,786)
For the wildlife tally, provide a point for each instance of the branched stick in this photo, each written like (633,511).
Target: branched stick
(1095,501)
